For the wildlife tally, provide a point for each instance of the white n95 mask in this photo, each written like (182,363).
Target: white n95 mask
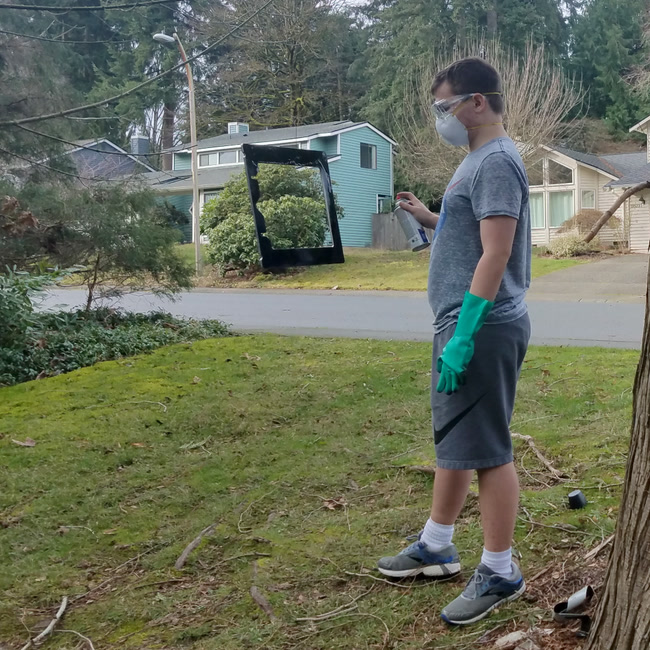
(452,131)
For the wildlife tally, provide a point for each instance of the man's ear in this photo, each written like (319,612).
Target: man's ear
(479,102)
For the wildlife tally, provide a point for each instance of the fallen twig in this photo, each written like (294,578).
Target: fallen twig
(238,557)
(158,583)
(561,527)
(48,630)
(594,551)
(141,401)
(425,469)
(264,604)
(342,608)
(248,507)
(539,574)
(388,582)
(529,440)
(182,558)
(81,636)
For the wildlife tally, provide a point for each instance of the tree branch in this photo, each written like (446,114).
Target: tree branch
(617,204)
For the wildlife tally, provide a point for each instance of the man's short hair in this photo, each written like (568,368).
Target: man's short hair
(472,75)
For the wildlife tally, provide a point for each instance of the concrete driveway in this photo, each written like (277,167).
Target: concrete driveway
(619,278)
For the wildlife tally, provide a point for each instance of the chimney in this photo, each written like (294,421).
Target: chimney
(139,145)
(235,128)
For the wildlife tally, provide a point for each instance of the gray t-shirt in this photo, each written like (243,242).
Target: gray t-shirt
(491,181)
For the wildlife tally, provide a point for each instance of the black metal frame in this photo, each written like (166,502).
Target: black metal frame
(270,257)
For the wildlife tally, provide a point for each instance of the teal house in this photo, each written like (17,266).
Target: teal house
(360,159)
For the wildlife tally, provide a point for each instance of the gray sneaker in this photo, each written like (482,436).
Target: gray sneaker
(484,592)
(417,558)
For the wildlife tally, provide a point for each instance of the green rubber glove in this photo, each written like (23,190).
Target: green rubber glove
(457,354)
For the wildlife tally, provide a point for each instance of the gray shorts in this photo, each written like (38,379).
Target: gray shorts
(471,428)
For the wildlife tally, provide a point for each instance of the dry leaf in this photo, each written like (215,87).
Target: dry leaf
(110,531)
(138,444)
(28,442)
(196,380)
(333,504)
(250,357)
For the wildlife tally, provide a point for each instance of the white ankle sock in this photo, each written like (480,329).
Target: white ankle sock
(437,536)
(500,563)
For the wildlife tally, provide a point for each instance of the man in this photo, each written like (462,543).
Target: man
(478,277)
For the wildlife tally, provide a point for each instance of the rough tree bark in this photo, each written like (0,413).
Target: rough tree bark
(617,204)
(167,138)
(623,617)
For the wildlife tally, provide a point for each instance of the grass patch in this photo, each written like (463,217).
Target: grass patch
(364,269)
(295,449)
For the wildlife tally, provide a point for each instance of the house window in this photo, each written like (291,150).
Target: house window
(559,174)
(560,207)
(208,159)
(228,157)
(368,156)
(384,204)
(537,219)
(588,199)
(207,196)
(536,173)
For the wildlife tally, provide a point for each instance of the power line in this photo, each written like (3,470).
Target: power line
(69,111)
(81,146)
(54,9)
(58,40)
(40,164)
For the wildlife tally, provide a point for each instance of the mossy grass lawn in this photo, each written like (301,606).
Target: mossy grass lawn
(298,451)
(364,269)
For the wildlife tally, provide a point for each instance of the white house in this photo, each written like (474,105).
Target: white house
(563,182)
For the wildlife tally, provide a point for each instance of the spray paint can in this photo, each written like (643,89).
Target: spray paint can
(412,228)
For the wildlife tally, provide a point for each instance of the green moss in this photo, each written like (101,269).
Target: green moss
(117,485)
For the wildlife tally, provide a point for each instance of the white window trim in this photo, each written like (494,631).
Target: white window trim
(377,197)
(373,161)
(216,152)
(584,207)
(557,188)
(543,194)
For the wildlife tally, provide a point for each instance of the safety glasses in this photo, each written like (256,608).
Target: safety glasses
(443,107)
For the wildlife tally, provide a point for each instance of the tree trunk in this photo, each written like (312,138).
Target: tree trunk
(492,20)
(622,620)
(92,284)
(167,139)
(617,204)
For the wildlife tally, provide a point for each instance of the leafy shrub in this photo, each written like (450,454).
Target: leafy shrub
(17,317)
(291,222)
(570,244)
(585,220)
(292,204)
(63,342)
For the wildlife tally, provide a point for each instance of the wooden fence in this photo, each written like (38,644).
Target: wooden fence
(387,234)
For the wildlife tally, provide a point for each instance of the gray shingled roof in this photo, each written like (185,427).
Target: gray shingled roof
(178,182)
(599,162)
(271,135)
(629,168)
(639,175)
(627,163)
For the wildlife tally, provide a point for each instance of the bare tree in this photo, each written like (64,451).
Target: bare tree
(538,96)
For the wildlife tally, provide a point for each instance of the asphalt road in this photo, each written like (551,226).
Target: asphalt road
(380,315)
